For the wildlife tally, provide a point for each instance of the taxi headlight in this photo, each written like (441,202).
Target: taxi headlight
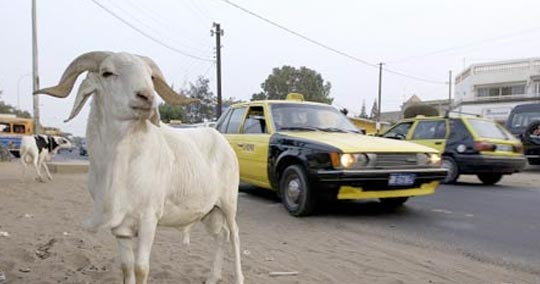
(349,161)
(435,160)
(422,159)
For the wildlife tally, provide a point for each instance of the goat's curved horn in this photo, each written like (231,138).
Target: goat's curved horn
(163,90)
(86,62)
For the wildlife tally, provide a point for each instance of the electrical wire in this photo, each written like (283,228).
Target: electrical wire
(474,43)
(329,47)
(149,36)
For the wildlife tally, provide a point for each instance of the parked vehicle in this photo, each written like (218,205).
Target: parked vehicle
(524,123)
(469,145)
(310,153)
(12,129)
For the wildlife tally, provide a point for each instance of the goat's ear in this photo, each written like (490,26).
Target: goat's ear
(154,117)
(86,89)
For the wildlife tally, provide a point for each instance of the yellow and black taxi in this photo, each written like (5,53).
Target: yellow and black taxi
(468,144)
(310,153)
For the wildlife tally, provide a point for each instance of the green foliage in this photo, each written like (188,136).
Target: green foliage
(363,113)
(206,109)
(171,112)
(374,111)
(9,109)
(288,79)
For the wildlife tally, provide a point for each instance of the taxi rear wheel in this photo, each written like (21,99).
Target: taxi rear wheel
(296,195)
(453,170)
(489,178)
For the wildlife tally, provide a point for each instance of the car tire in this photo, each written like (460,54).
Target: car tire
(296,194)
(489,178)
(453,171)
(392,203)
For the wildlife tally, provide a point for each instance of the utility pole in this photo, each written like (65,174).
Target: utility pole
(450,90)
(379,100)
(35,76)
(218,32)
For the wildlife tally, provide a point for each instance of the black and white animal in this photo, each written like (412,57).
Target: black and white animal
(38,149)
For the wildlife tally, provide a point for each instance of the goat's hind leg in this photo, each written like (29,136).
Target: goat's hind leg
(127,261)
(215,225)
(230,216)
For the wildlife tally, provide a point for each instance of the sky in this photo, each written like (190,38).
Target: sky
(343,40)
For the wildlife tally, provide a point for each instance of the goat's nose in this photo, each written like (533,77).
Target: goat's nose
(145,95)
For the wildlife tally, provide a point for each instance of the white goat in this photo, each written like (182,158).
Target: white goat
(38,149)
(143,174)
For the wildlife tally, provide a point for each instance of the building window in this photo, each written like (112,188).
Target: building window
(502,91)
(537,88)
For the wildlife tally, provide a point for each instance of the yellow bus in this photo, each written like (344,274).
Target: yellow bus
(12,129)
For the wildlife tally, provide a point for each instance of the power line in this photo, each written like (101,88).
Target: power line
(479,42)
(328,47)
(300,35)
(149,36)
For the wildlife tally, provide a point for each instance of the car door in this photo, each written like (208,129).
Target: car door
(248,135)
(431,133)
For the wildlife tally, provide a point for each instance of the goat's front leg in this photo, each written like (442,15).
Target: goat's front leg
(147,231)
(37,164)
(47,170)
(125,251)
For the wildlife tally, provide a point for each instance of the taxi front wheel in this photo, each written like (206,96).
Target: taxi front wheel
(453,171)
(296,195)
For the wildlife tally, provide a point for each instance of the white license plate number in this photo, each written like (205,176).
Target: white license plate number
(504,148)
(401,179)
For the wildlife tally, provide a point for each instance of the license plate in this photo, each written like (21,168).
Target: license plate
(401,179)
(504,148)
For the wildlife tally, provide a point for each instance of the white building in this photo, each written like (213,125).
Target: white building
(493,89)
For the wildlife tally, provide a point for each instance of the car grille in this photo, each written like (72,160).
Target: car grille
(396,160)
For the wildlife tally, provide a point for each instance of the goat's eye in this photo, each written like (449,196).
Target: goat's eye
(107,74)
(153,78)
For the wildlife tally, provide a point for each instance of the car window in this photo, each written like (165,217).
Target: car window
(236,119)
(255,122)
(399,131)
(489,129)
(224,121)
(523,119)
(433,129)
(310,116)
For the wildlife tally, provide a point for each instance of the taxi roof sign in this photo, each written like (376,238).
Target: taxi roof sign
(295,97)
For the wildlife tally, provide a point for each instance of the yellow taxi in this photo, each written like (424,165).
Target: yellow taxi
(310,153)
(468,144)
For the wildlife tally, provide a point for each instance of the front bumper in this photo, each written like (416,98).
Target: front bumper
(363,184)
(474,164)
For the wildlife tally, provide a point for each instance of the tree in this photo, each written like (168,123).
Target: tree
(206,109)
(363,113)
(9,109)
(288,79)
(171,112)
(374,111)
(420,109)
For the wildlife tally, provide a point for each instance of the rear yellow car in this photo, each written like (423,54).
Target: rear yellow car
(310,153)
(469,145)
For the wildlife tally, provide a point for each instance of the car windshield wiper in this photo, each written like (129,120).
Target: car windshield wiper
(332,129)
(299,128)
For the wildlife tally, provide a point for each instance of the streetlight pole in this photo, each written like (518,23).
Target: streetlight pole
(218,33)
(35,68)
(379,99)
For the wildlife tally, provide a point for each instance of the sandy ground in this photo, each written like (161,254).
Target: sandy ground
(46,245)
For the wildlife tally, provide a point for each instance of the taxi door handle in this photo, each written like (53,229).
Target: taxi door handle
(438,143)
(241,145)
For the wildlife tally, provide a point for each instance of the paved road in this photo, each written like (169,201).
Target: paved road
(497,224)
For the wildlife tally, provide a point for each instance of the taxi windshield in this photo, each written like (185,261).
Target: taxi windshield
(310,117)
